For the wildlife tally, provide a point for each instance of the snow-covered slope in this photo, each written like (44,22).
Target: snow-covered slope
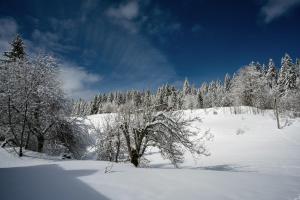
(250,159)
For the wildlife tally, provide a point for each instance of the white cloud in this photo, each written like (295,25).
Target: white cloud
(8,30)
(125,11)
(77,81)
(124,15)
(276,8)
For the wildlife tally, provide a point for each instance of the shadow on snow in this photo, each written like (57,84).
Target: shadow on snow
(47,182)
(225,167)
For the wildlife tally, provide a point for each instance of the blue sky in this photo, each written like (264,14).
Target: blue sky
(107,45)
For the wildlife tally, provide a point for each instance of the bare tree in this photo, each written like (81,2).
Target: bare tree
(168,131)
(109,141)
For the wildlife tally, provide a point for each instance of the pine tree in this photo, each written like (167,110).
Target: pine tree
(111,97)
(297,66)
(94,106)
(137,99)
(158,97)
(264,69)
(118,100)
(173,100)
(199,99)
(227,83)
(147,99)
(258,66)
(287,75)
(271,74)
(291,78)
(17,49)
(186,87)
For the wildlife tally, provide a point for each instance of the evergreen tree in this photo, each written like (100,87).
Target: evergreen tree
(111,97)
(186,87)
(95,105)
(287,75)
(173,100)
(159,97)
(137,99)
(17,49)
(264,69)
(227,83)
(147,99)
(258,66)
(297,66)
(199,99)
(271,74)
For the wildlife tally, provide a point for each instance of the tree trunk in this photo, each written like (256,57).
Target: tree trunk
(23,131)
(21,151)
(27,140)
(134,158)
(118,151)
(276,113)
(41,141)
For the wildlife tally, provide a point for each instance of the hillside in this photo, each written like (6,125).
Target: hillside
(250,159)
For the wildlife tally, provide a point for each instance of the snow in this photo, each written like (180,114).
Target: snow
(250,159)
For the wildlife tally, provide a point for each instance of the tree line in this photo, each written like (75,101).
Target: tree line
(253,85)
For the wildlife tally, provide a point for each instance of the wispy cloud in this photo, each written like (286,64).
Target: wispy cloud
(127,11)
(8,30)
(160,23)
(135,61)
(50,41)
(276,8)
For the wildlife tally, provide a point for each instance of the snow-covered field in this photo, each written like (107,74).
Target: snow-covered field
(250,160)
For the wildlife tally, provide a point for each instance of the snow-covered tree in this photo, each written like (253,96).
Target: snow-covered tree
(173,100)
(249,87)
(227,98)
(287,76)
(297,66)
(271,74)
(17,50)
(186,87)
(167,131)
(190,101)
(95,105)
(199,99)
(32,101)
